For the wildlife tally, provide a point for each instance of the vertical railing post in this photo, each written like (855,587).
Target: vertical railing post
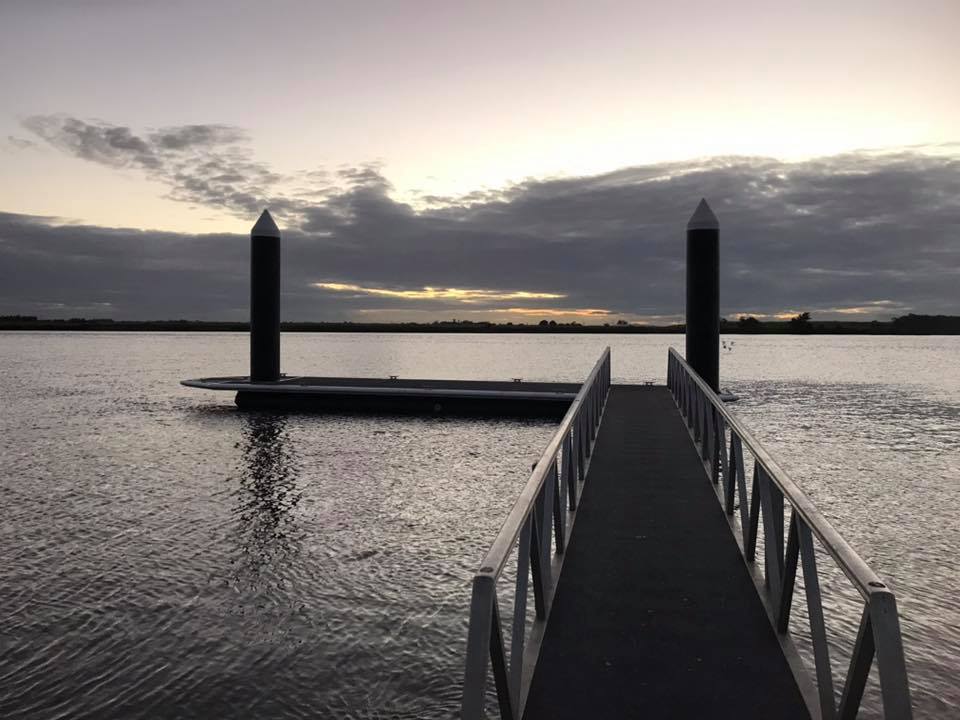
(498,662)
(587,437)
(569,476)
(478,648)
(539,594)
(894,685)
(860,662)
(776,499)
(704,434)
(719,444)
(519,631)
(682,386)
(729,473)
(578,446)
(707,427)
(588,412)
(772,533)
(546,523)
(741,487)
(750,549)
(789,576)
(695,409)
(559,514)
(818,630)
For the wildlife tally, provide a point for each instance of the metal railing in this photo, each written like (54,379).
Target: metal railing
(711,423)
(541,518)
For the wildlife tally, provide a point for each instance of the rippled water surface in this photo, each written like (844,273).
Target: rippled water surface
(164,555)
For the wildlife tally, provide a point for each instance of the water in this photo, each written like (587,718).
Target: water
(163,555)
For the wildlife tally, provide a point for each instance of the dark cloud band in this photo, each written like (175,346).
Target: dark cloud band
(865,234)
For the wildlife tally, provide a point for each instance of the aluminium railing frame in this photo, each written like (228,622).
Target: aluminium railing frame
(710,423)
(554,489)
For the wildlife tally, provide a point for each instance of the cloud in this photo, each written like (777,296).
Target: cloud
(109,145)
(865,235)
(209,165)
(566,313)
(186,137)
(20,143)
(462,295)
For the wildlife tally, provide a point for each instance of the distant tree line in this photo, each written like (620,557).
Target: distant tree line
(802,323)
(927,324)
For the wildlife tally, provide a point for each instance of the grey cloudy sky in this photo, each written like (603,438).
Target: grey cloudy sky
(521,160)
(864,235)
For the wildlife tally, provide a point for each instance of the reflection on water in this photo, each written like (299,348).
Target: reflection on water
(268,494)
(162,561)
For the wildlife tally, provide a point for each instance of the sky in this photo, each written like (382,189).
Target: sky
(498,160)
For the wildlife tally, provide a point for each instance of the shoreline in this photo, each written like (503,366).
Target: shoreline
(948,326)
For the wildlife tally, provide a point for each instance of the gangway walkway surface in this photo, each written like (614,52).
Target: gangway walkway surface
(655,613)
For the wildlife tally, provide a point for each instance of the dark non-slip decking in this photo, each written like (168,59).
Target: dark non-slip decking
(655,613)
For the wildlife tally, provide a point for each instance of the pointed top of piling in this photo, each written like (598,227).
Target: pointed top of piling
(265,227)
(703,218)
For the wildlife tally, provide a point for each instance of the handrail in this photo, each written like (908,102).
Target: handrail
(553,489)
(709,421)
(847,558)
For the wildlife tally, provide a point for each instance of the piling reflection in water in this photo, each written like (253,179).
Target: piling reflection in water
(267,495)
(121,515)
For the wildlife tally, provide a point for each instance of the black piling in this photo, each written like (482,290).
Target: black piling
(265,300)
(703,294)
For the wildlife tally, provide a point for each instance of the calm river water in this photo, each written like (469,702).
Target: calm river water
(163,555)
